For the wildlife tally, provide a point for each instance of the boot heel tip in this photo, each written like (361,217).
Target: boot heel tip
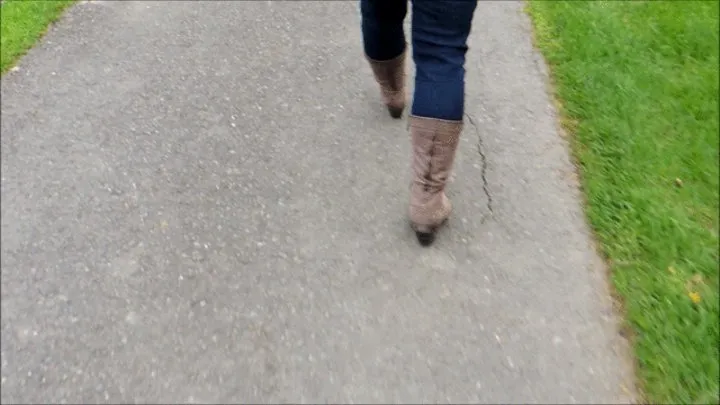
(425,238)
(395,112)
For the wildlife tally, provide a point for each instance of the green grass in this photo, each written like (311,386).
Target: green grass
(22,23)
(637,85)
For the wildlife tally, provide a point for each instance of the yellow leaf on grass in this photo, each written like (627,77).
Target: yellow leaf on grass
(694,297)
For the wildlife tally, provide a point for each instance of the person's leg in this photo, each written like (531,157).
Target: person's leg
(440,29)
(384,45)
(382,28)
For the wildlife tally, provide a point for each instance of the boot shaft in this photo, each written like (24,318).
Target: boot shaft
(434,144)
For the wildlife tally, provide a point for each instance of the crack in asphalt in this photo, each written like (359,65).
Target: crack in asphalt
(484,166)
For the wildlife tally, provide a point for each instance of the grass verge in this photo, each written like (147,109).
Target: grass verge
(22,23)
(637,83)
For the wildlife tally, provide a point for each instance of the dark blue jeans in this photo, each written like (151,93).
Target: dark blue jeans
(440,29)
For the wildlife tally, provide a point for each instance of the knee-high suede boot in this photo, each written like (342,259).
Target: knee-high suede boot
(434,144)
(390,75)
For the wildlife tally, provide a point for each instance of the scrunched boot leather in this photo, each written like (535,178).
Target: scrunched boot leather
(434,144)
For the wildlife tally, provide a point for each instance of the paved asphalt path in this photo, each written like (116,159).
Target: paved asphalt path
(205,202)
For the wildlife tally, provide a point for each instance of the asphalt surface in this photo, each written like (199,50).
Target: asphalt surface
(205,202)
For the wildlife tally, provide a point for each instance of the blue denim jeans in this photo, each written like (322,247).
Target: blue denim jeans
(440,29)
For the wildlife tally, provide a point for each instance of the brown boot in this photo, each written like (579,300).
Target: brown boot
(390,75)
(434,143)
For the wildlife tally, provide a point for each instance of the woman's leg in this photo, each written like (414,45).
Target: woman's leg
(384,44)
(440,30)
(382,28)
